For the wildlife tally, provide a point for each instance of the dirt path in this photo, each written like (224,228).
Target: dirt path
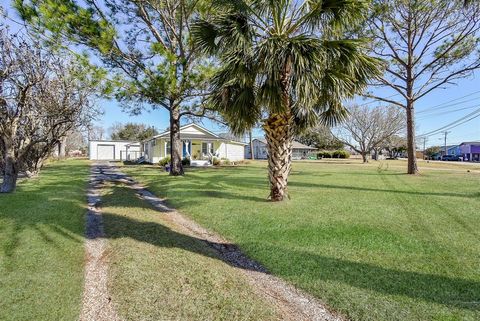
(96,304)
(291,302)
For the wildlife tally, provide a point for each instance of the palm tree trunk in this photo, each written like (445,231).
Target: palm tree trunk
(279,134)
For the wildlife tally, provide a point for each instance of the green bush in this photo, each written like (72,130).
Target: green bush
(340,154)
(216,161)
(333,154)
(324,154)
(186,161)
(164,161)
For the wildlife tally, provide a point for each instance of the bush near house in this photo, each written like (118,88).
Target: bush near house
(216,161)
(333,154)
(340,154)
(164,161)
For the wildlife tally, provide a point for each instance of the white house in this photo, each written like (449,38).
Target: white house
(198,144)
(113,150)
(300,151)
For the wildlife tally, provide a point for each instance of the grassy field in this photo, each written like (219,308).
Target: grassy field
(372,242)
(159,273)
(41,245)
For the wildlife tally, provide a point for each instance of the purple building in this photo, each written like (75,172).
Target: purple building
(470,151)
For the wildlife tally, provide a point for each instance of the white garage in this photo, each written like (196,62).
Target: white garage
(113,150)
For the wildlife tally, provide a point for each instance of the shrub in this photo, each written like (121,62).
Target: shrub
(226,161)
(164,161)
(324,154)
(186,161)
(215,161)
(340,154)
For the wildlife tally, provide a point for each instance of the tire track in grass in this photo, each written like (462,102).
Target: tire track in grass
(294,305)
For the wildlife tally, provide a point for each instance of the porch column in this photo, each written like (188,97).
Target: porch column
(165,149)
(186,143)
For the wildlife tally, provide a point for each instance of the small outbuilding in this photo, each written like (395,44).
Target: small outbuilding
(113,150)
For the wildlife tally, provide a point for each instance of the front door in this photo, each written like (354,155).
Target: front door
(187,149)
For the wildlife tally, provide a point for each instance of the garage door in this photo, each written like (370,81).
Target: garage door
(106,152)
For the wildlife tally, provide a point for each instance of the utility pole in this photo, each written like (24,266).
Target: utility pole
(445,141)
(424,143)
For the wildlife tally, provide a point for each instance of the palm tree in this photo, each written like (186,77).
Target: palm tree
(284,63)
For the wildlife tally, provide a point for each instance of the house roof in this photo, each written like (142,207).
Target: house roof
(470,143)
(207,135)
(113,141)
(296,145)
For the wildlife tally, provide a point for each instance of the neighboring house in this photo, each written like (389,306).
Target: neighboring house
(454,150)
(198,144)
(470,151)
(451,150)
(300,151)
(113,150)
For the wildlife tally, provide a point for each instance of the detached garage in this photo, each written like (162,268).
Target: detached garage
(112,150)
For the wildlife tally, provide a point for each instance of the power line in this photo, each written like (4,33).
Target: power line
(447,112)
(450,101)
(442,105)
(434,109)
(454,124)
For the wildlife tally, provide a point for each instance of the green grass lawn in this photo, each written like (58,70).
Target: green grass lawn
(157,272)
(372,242)
(41,245)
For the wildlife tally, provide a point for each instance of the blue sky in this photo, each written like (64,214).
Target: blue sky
(427,119)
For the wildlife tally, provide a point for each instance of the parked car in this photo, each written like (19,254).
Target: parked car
(450,158)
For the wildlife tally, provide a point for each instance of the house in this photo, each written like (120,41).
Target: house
(451,150)
(198,144)
(300,151)
(113,150)
(470,151)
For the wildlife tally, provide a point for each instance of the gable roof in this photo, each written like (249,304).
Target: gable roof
(470,143)
(200,128)
(296,145)
(205,134)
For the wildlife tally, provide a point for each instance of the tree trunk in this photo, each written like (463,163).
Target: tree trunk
(62,148)
(252,157)
(10,172)
(365,157)
(176,168)
(279,134)
(411,150)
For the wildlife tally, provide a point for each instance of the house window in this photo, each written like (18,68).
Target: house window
(205,150)
(167,148)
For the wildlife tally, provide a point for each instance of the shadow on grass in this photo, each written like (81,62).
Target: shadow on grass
(369,189)
(448,291)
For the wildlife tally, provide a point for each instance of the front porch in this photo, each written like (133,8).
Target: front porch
(199,152)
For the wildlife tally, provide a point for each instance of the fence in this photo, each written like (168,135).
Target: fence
(130,155)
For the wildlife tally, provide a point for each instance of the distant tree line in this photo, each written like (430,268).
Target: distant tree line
(132,131)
